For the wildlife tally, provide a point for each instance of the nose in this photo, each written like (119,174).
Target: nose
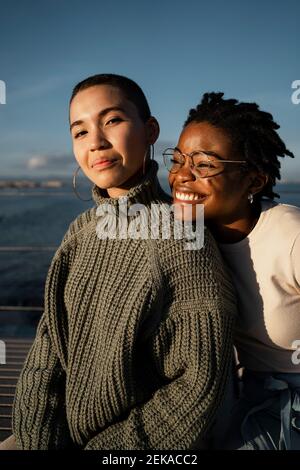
(185,173)
(98,141)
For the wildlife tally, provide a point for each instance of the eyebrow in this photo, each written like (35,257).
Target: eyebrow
(101,114)
(206,152)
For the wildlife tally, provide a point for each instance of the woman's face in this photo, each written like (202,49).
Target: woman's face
(225,195)
(109,138)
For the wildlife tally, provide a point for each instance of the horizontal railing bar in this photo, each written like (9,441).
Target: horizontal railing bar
(11,356)
(17,344)
(8,377)
(27,248)
(13,351)
(21,346)
(17,340)
(10,349)
(12,363)
(6,405)
(25,308)
(22,352)
(5,416)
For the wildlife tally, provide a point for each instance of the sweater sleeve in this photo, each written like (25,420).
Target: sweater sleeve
(192,350)
(39,412)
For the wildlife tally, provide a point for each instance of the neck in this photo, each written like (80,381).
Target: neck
(143,189)
(124,189)
(233,231)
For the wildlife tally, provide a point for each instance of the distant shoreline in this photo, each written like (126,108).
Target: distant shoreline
(27,183)
(53,182)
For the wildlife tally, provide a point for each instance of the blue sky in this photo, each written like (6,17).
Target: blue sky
(175,50)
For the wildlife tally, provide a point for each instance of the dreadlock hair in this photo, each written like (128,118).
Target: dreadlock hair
(131,90)
(252,131)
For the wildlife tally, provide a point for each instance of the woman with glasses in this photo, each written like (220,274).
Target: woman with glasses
(227,159)
(135,343)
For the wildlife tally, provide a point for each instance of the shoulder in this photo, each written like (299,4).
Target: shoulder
(82,226)
(180,252)
(278,209)
(78,227)
(191,272)
(282,219)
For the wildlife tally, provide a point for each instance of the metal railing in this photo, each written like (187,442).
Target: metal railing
(16,352)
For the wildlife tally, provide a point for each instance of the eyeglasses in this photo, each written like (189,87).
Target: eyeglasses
(203,164)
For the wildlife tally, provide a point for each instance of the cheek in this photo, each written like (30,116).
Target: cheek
(134,141)
(79,153)
(227,190)
(171,179)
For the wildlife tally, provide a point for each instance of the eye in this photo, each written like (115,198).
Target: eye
(177,158)
(113,120)
(79,134)
(203,164)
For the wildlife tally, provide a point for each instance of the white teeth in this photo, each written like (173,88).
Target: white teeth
(187,196)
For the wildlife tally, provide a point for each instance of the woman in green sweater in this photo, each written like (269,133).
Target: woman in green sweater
(134,345)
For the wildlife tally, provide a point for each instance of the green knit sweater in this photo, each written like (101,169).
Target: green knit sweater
(134,345)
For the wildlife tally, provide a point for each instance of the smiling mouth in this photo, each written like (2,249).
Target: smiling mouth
(190,198)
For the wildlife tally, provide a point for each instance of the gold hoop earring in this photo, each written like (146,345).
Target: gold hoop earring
(74,185)
(150,152)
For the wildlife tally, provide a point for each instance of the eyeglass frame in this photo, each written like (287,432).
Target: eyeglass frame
(191,155)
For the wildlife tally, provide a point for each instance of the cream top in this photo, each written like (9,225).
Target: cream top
(266,272)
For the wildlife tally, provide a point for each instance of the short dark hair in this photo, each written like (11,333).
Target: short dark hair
(253,134)
(131,90)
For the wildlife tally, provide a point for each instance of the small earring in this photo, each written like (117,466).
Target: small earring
(74,185)
(250,198)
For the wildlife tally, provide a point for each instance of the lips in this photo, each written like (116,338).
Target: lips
(103,162)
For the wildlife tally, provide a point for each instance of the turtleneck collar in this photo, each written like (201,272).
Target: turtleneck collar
(146,191)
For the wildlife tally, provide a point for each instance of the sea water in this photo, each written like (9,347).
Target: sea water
(39,217)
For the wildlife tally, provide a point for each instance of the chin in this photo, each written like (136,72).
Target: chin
(187,212)
(106,181)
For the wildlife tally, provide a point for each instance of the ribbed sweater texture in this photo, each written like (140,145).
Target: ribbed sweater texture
(134,345)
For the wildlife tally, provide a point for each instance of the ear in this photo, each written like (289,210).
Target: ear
(152,130)
(258,182)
